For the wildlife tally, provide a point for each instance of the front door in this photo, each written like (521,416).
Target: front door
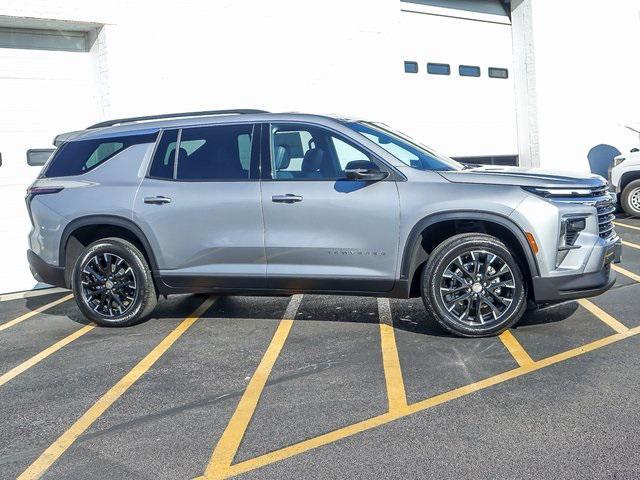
(322,231)
(199,207)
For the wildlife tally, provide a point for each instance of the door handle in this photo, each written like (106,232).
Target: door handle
(288,198)
(159,200)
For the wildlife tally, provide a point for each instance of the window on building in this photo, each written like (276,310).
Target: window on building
(438,69)
(41,39)
(508,160)
(468,71)
(498,72)
(36,157)
(410,67)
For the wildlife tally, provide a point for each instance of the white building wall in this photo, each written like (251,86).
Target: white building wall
(277,56)
(584,56)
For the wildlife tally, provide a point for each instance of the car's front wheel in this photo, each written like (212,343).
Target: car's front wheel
(112,283)
(473,285)
(630,198)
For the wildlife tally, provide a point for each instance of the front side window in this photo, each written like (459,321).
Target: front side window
(80,156)
(304,152)
(221,152)
(406,150)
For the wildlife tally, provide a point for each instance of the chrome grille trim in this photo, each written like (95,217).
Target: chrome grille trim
(603,201)
(606,217)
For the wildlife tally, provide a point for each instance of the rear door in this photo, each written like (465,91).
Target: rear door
(199,206)
(322,231)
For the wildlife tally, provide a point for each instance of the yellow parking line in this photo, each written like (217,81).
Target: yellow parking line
(391,361)
(516,350)
(374,422)
(626,226)
(57,448)
(14,372)
(602,315)
(627,273)
(517,372)
(38,310)
(226,448)
(629,244)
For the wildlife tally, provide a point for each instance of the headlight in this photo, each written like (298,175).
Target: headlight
(618,160)
(570,229)
(553,192)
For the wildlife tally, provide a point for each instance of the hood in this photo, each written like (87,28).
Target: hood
(524,177)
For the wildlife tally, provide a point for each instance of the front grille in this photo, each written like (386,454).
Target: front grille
(600,198)
(606,216)
(606,212)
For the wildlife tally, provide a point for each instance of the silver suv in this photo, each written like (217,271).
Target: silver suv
(249,202)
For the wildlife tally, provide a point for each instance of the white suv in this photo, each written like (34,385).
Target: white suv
(625,179)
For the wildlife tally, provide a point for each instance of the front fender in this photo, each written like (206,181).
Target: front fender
(410,255)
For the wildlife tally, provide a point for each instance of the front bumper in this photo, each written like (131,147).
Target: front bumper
(569,287)
(43,272)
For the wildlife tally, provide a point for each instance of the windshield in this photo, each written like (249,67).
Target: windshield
(406,150)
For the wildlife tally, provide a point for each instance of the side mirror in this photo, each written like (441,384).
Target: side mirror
(365,174)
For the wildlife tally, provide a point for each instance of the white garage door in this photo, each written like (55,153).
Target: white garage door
(457,86)
(42,93)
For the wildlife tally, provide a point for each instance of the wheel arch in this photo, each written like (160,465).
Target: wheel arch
(81,231)
(416,250)
(629,177)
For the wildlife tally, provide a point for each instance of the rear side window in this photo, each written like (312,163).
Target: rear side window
(213,153)
(164,159)
(78,157)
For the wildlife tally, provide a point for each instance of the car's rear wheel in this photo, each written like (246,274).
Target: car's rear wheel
(473,286)
(630,198)
(112,283)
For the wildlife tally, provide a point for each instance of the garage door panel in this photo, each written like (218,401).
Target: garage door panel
(42,94)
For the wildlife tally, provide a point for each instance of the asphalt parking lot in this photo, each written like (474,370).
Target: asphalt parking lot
(322,387)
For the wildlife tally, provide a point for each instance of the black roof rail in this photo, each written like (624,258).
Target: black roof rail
(110,123)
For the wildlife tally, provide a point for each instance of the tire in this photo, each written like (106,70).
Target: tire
(112,283)
(630,198)
(482,255)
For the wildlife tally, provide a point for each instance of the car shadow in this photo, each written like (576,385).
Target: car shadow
(548,314)
(324,308)
(424,324)
(178,306)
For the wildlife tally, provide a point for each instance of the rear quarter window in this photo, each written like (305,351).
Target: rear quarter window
(78,157)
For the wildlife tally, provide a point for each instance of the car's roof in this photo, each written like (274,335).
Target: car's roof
(146,126)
